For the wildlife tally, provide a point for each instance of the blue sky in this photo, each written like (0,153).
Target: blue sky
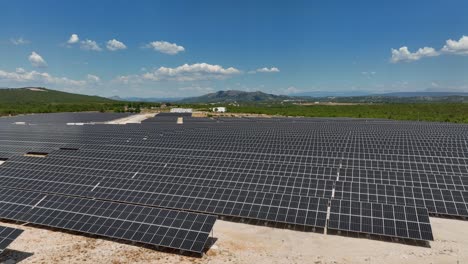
(186,48)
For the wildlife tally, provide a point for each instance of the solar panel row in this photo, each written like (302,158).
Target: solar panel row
(8,235)
(264,181)
(172,229)
(275,207)
(272,169)
(380,219)
(437,201)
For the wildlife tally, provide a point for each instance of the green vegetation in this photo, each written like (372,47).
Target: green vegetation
(46,96)
(437,112)
(41,100)
(233,96)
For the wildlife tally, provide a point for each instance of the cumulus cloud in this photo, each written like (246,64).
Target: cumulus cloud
(114,45)
(90,45)
(36,60)
(265,69)
(456,47)
(183,73)
(403,54)
(93,78)
(290,90)
(193,72)
(36,77)
(125,79)
(19,41)
(165,47)
(73,39)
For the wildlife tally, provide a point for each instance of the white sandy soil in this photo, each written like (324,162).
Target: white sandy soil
(243,243)
(133,119)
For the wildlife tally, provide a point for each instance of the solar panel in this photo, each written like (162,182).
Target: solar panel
(281,170)
(274,207)
(406,178)
(437,201)
(300,180)
(154,226)
(380,219)
(8,235)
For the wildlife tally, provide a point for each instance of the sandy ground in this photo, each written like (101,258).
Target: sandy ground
(133,119)
(243,243)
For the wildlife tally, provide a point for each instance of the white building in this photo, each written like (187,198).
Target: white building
(181,110)
(219,109)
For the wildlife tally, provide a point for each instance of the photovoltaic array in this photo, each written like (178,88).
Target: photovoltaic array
(376,177)
(7,235)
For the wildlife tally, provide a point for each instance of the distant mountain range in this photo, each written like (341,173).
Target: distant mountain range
(231,96)
(252,97)
(43,95)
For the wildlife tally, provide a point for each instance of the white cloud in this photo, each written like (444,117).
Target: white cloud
(35,78)
(183,73)
(125,79)
(93,78)
(73,39)
(456,47)
(403,54)
(90,45)
(114,45)
(291,90)
(193,72)
(265,69)
(165,47)
(19,41)
(36,60)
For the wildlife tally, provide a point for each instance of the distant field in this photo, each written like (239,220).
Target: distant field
(437,112)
